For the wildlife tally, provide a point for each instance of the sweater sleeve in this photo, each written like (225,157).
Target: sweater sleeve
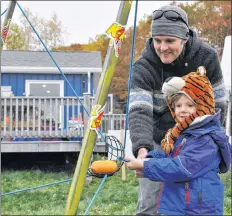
(141,110)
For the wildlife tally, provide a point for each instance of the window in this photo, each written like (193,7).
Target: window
(49,88)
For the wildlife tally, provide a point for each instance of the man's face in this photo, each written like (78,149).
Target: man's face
(168,48)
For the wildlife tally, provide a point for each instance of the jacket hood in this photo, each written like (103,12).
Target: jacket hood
(191,47)
(211,126)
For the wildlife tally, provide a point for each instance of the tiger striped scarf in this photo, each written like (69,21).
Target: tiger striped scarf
(197,86)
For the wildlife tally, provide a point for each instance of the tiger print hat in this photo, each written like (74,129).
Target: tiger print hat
(196,86)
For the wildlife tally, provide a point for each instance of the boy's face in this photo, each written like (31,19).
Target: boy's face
(168,48)
(184,107)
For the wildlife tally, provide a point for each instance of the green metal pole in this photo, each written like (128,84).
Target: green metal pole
(101,96)
(4,32)
(6,23)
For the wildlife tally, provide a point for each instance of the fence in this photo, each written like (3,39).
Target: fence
(45,117)
(57,117)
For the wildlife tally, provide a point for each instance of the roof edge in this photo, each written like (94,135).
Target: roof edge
(48,70)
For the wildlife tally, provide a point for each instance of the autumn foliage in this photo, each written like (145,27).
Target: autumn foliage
(211,20)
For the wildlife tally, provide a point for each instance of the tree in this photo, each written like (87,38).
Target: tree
(72,47)
(32,43)
(211,20)
(119,86)
(22,36)
(52,31)
(100,43)
(15,39)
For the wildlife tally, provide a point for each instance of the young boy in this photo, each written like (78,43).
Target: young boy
(193,152)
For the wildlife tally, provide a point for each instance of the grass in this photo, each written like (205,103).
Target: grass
(117,197)
(226,178)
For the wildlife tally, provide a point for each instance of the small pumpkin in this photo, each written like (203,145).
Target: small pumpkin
(7,119)
(104,166)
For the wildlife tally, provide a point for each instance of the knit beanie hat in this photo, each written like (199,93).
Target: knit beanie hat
(166,27)
(196,86)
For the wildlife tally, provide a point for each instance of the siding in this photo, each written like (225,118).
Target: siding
(17,81)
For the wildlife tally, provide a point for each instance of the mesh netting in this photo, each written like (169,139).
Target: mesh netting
(115,152)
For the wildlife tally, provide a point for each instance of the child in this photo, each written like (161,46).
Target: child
(193,152)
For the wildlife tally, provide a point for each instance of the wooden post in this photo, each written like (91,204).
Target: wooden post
(228,117)
(86,97)
(123,166)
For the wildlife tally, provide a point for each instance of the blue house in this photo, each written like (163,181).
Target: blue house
(36,99)
(39,110)
(33,73)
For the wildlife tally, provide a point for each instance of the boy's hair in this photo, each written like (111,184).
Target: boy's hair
(196,86)
(176,99)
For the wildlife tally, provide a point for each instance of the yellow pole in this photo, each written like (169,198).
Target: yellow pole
(101,96)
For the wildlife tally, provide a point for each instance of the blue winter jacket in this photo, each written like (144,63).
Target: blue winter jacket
(192,185)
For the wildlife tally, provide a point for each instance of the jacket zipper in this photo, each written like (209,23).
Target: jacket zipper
(187,192)
(179,148)
(187,189)
(200,194)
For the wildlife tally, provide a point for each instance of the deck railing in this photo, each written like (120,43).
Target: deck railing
(228,117)
(55,117)
(50,117)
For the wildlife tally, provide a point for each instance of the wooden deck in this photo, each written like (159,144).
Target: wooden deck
(46,146)
(43,124)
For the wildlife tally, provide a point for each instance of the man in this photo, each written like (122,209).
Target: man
(173,50)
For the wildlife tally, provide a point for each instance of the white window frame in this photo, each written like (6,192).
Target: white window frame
(29,82)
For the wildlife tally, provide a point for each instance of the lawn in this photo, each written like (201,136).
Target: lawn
(117,197)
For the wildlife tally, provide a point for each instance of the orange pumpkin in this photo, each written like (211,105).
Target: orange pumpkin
(7,119)
(104,166)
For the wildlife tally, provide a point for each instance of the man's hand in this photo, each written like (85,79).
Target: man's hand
(142,153)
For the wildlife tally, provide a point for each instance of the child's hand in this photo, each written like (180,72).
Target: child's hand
(135,164)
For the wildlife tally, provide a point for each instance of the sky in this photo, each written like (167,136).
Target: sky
(83,20)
